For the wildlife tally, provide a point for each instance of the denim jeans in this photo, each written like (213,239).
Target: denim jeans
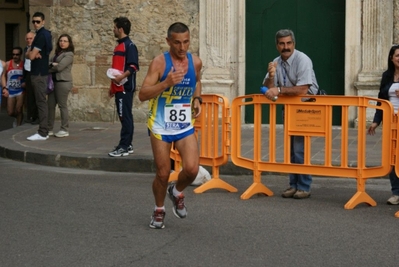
(299,181)
(394,182)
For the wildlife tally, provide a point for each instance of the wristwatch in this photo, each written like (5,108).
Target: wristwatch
(199,99)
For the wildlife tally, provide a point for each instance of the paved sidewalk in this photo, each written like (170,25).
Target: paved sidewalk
(88,145)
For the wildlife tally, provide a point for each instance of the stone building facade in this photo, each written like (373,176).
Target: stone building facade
(217,36)
(90,23)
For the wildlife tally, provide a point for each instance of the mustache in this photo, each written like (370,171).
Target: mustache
(285,50)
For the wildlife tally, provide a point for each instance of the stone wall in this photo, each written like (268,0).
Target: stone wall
(90,23)
(396,21)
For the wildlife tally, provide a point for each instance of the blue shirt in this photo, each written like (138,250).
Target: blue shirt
(42,42)
(296,71)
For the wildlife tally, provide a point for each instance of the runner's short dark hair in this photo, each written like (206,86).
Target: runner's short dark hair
(177,27)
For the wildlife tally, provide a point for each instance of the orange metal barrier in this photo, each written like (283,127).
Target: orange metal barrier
(212,129)
(312,119)
(395,148)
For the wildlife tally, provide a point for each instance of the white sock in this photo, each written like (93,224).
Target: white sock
(159,208)
(175,192)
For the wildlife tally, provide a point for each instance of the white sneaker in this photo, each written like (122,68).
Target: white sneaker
(393,200)
(37,137)
(62,134)
(50,133)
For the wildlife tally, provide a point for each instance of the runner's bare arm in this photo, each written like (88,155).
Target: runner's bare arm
(198,88)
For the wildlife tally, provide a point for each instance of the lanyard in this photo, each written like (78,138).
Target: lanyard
(285,74)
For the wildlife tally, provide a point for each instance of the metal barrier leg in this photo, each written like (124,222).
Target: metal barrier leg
(360,197)
(214,183)
(256,188)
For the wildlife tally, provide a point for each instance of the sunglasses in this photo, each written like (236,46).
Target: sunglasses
(36,21)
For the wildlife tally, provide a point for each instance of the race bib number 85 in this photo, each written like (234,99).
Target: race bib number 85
(177,116)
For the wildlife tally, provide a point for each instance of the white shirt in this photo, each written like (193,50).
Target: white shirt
(393,98)
(27,64)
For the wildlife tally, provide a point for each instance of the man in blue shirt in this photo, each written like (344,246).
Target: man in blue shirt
(292,73)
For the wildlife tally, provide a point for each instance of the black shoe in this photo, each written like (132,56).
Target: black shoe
(35,121)
(28,120)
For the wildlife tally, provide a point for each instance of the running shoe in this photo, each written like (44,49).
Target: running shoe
(157,219)
(179,209)
(393,200)
(118,152)
(37,137)
(61,133)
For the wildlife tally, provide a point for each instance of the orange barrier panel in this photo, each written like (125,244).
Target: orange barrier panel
(395,148)
(311,120)
(212,129)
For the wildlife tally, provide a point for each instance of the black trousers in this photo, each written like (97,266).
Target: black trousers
(124,105)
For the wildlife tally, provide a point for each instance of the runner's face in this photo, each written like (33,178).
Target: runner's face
(16,56)
(179,43)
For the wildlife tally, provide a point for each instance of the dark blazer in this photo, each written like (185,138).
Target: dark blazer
(63,70)
(386,82)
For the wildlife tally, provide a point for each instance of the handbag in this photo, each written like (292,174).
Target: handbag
(50,84)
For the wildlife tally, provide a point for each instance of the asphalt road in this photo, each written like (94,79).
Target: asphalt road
(66,217)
